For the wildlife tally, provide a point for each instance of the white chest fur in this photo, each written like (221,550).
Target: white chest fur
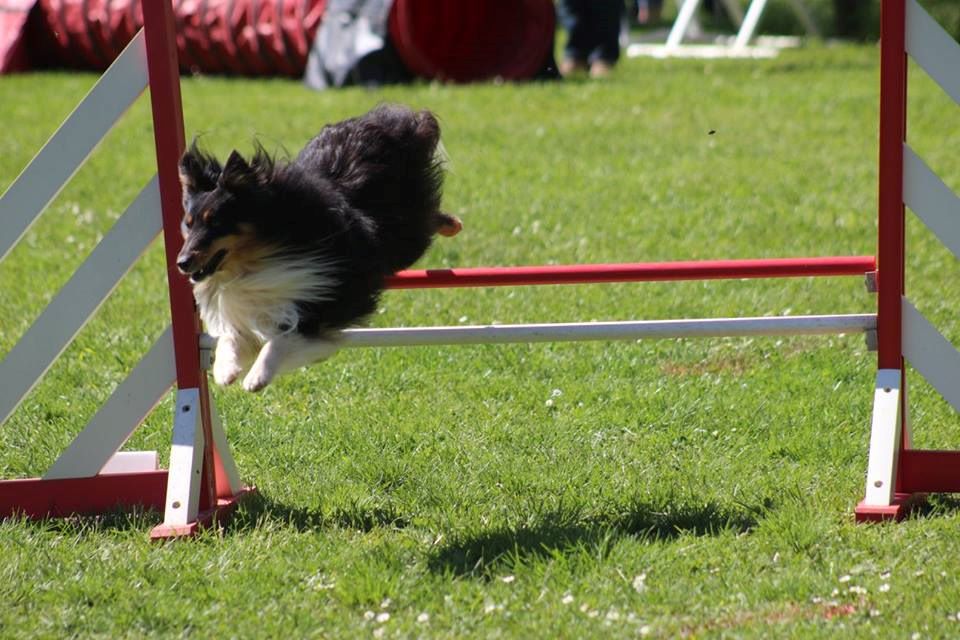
(261,304)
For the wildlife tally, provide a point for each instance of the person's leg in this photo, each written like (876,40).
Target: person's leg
(605,24)
(606,18)
(575,17)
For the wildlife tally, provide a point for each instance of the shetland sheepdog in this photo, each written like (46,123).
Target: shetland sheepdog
(283,255)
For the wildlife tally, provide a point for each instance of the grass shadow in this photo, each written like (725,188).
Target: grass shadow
(259,510)
(565,532)
(936,505)
(120,519)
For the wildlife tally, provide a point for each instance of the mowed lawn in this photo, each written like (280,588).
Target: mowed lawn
(699,488)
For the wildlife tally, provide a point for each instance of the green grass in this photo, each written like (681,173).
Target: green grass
(678,488)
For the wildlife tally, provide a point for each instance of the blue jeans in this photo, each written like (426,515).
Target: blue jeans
(593,29)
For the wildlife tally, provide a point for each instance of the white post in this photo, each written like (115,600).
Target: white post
(186,461)
(687,11)
(884,439)
(749,24)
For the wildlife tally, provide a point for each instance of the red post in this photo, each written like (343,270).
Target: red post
(893,131)
(164,73)
(891,248)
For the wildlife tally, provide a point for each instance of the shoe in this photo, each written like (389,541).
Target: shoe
(570,66)
(601,69)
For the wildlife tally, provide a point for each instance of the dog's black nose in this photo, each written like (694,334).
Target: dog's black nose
(184,265)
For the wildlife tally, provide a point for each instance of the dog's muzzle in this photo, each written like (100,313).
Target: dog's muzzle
(199,272)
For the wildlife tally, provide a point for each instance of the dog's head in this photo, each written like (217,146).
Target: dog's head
(220,206)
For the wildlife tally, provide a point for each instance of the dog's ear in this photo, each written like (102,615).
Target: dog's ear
(199,171)
(239,174)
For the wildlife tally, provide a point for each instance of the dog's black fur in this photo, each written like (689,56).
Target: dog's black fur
(360,202)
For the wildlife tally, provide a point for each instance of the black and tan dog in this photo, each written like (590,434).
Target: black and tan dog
(283,255)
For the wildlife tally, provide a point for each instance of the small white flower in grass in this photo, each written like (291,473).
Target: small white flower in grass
(368,615)
(507,579)
(640,583)
(845,578)
(548,403)
(556,393)
(884,587)
(383,617)
(567,598)
(379,632)
(423,618)
(645,630)
(858,590)
(462,319)
(885,575)
(874,613)
(916,636)
(386,603)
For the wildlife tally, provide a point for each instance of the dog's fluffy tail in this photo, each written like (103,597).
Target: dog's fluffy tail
(386,163)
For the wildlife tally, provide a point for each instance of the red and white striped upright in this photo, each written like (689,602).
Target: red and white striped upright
(199,448)
(897,474)
(92,476)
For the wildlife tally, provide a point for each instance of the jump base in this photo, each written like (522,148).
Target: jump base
(901,505)
(205,519)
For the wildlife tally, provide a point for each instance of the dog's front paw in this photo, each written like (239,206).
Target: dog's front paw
(226,373)
(257,378)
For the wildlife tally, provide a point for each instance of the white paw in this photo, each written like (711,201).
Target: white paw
(226,373)
(257,378)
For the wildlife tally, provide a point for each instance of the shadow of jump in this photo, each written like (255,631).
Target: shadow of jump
(260,510)
(565,532)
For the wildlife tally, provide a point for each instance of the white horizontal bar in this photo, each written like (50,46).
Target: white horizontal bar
(933,49)
(629,330)
(933,201)
(932,355)
(72,307)
(700,51)
(131,462)
(40,182)
(128,406)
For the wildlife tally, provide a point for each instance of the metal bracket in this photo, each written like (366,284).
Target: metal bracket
(871,281)
(208,346)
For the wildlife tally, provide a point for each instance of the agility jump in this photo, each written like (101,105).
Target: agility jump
(202,484)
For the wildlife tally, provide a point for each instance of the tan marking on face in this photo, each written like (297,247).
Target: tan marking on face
(244,250)
(206,215)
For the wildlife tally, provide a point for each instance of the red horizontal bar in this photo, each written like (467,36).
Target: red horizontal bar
(38,498)
(633,272)
(929,471)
